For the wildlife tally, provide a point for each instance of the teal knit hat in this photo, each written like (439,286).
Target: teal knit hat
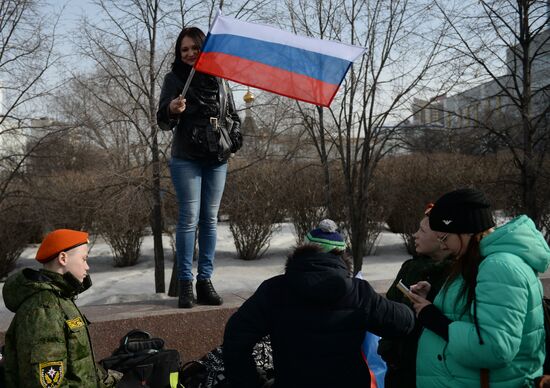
(326,236)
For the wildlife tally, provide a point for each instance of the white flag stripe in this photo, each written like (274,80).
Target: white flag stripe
(232,26)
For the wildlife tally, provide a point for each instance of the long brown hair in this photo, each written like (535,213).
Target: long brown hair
(195,34)
(467,265)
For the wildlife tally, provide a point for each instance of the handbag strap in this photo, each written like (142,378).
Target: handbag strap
(223,99)
(484,377)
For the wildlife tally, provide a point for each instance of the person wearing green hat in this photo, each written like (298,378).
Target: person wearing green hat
(316,315)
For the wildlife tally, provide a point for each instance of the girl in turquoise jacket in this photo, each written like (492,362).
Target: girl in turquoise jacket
(486,325)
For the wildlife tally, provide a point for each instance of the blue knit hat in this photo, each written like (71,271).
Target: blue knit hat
(326,236)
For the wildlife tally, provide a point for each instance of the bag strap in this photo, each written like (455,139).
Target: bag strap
(151,345)
(223,98)
(484,377)
(545,310)
(133,335)
(138,341)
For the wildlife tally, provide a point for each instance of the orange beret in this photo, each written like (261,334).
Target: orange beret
(60,240)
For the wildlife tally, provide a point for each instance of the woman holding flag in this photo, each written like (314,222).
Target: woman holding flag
(206,130)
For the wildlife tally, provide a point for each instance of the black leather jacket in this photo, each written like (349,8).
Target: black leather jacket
(202,102)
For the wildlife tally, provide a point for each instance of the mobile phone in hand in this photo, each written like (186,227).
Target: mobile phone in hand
(403,288)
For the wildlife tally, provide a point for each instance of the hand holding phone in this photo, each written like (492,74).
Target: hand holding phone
(404,289)
(422,288)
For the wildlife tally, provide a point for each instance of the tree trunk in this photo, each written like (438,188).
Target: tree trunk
(358,221)
(157,223)
(529,176)
(157,219)
(358,242)
(324,163)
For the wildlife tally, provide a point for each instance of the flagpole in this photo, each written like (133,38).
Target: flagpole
(189,78)
(192,72)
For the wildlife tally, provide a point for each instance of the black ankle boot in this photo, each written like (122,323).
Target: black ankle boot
(206,294)
(186,299)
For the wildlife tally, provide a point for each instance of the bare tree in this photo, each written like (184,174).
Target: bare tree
(363,122)
(130,49)
(508,46)
(27,37)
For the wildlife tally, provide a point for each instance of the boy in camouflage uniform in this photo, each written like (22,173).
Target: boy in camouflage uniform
(48,343)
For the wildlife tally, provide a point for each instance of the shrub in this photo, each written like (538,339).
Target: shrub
(342,211)
(16,230)
(304,198)
(305,202)
(66,200)
(417,179)
(252,203)
(122,221)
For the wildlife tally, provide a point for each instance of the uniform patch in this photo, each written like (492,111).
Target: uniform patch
(51,374)
(75,323)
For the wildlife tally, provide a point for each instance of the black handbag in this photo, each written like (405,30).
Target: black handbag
(228,139)
(211,138)
(144,361)
(216,137)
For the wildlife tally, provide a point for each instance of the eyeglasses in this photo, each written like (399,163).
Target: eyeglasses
(443,238)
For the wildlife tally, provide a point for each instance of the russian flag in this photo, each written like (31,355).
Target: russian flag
(267,58)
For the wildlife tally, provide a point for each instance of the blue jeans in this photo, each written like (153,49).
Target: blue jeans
(199,187)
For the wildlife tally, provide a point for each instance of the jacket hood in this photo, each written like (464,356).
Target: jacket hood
(22,285)
(521,238)
(316,276)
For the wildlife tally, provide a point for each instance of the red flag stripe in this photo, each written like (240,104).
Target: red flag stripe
(266,77)
(373,383)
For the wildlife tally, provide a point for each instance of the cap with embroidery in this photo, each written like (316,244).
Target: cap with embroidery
(461,211)
(60,240)
(326,236)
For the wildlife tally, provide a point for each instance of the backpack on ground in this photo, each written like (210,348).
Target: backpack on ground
(144,362)
(209,371)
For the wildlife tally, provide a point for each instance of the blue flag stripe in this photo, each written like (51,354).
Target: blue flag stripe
(321,67)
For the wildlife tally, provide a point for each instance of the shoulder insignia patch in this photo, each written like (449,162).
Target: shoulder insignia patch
(51,374)
(75,323)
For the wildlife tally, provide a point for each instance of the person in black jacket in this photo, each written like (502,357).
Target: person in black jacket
(316,315)
(207,131)
(432,262)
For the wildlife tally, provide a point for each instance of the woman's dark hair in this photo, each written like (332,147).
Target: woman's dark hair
(467,265)
(194,33)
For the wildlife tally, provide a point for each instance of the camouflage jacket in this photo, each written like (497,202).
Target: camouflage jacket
(47,343)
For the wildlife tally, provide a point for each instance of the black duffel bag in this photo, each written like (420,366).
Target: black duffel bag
(144,362)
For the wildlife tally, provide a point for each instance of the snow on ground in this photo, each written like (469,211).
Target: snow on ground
(114,285)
